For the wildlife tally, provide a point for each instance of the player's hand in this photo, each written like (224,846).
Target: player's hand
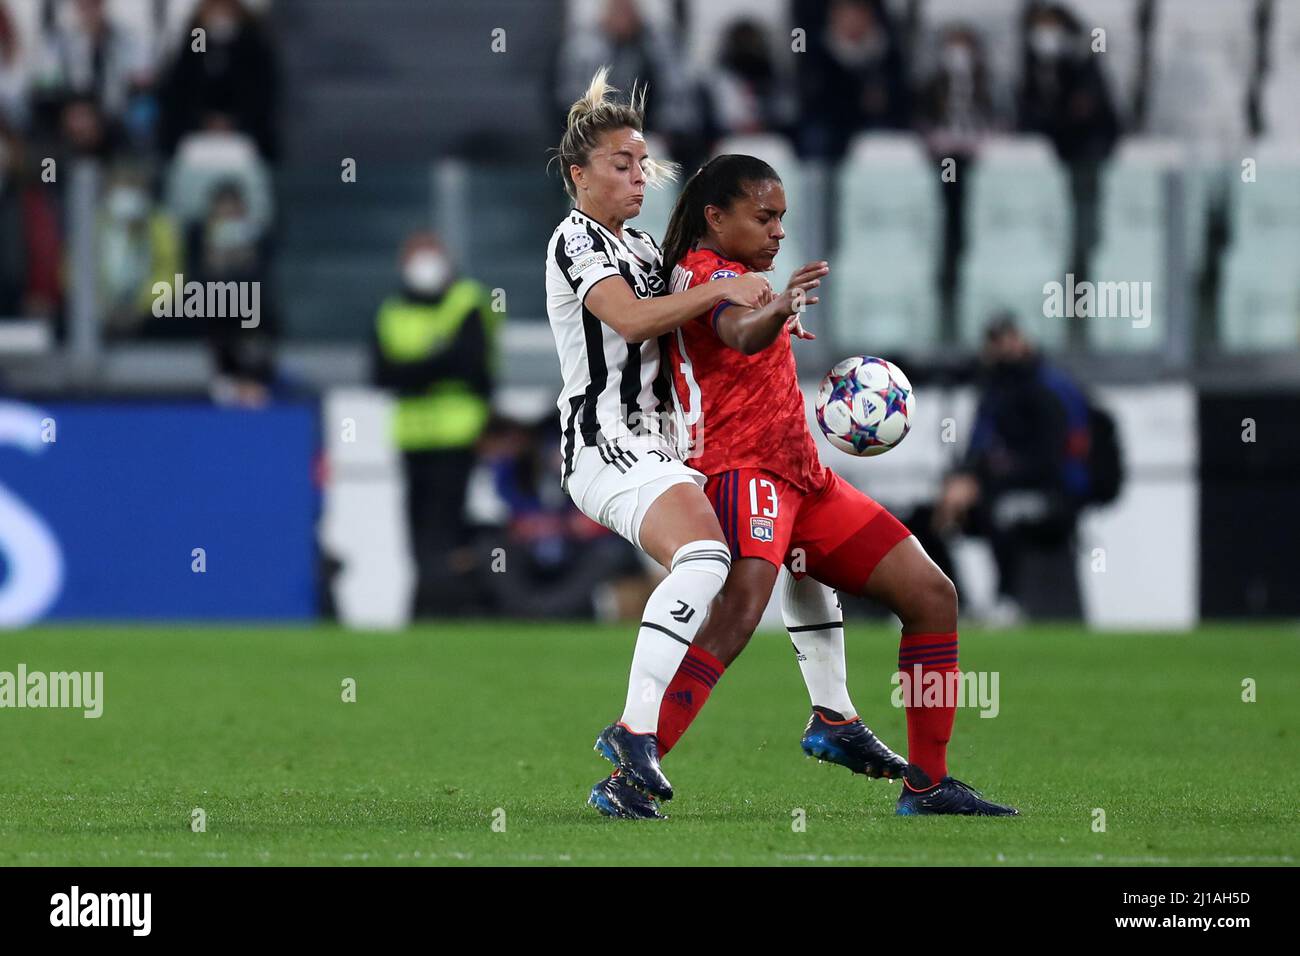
(794,326)
(808,276)
(750,290)
(792,302)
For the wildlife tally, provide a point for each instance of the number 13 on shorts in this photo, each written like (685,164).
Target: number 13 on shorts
(749,508)
(762,489)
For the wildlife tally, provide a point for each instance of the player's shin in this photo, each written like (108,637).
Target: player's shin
(687,693)
(672,617)
(925,665)
(815,622)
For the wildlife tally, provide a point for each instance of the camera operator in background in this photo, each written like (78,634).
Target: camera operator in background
(1039,453)
(433,348)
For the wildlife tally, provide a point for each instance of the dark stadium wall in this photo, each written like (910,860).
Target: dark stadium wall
(1250,516)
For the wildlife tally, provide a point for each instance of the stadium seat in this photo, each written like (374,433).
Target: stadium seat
(878,308)
(1133,219)
(1018,213)
(205,160)
(1202,56)
(887,240)
(1259,301)
(1266,213)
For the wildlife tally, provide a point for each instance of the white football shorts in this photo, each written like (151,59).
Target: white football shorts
(615,484)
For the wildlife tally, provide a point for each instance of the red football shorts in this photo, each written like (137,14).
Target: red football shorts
(836,534)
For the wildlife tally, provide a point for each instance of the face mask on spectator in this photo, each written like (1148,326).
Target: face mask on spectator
(1047,42)
(128,204)
(426,273)
(958,60)
(227,234)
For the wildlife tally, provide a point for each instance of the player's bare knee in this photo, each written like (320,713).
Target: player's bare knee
(930,604)
(940,600)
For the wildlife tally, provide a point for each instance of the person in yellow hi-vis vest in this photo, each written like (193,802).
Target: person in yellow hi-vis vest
(434,346)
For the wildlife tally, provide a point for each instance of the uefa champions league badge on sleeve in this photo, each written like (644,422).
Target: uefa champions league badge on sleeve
(577,244)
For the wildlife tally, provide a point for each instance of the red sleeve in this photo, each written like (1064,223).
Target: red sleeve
(706,268)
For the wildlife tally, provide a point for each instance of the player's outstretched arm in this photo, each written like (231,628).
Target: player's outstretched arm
(613,302)
(752,330)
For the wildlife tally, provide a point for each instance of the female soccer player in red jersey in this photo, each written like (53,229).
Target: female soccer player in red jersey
(735,378)
(603,298)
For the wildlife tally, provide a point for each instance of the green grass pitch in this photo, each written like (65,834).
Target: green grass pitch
(455,723)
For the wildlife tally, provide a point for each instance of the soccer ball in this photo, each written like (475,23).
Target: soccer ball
(865,405)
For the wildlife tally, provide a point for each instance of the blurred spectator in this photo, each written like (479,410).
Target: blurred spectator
(29,236)
(230,85)
(1023,481)
(139,245)
(635,52)
(561,564)
(86,132)
(230,246)
(747,92)
(88,55)
(1064,96)
(955,108)
(433,347)
(227,246)
(852,79)
(14,78)
(954,112)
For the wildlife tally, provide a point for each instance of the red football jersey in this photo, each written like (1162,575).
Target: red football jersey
(741,411)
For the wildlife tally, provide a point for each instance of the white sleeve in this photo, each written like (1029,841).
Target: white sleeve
(583,258)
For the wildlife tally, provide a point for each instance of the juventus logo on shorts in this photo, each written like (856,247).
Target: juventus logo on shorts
(620,458)
(682,613)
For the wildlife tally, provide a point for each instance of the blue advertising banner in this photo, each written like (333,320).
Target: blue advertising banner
(157,511)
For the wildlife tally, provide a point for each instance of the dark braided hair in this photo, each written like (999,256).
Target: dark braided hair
(719,182)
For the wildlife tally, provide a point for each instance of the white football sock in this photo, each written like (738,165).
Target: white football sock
(815,620)
(672,617)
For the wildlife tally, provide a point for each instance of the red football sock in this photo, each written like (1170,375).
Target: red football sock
(686,694)
(928,727)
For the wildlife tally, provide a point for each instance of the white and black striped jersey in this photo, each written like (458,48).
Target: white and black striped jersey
(612,388)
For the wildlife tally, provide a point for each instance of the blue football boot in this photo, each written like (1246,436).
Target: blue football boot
(637,758)
(922,798)
(850,743)
(615,797)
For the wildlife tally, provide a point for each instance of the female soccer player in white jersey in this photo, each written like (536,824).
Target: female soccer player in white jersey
(621,465)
